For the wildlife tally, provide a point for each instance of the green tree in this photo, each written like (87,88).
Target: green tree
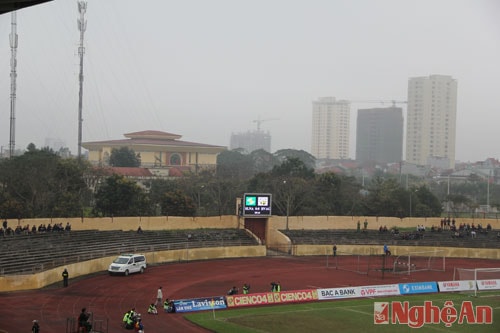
(176,203)
(307,159)
(124,157)
(290,195)
(10,209)
(221,194)
(293,167)
(234,164)
(383,198)
(42,184)
(263,161)
(158,189)
(118,196)
(336,195)
(427,203)
(290,184)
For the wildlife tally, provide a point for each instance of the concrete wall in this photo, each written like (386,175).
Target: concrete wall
(232,221)
(132,223)
(350,222)
(42,279)
(452,252)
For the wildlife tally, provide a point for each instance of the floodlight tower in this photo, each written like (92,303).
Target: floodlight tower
(13,76)
(82,25)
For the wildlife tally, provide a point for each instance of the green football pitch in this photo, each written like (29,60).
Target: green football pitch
(343,316)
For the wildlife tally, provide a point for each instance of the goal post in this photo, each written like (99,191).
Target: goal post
(360,263)
(420,261)
(483,278)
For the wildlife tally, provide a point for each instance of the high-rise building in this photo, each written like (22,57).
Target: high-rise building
(251,140)
(330,128)
(379,135)
(431,121)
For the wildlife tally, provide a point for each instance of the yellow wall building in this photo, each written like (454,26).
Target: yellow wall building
(160,150)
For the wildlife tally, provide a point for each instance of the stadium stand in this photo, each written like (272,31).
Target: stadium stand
(32,253)
(374,237)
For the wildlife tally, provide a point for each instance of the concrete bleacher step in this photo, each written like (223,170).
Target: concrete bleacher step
(374,237)
(36,252)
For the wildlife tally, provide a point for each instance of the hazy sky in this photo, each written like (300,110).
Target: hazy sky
(204,69)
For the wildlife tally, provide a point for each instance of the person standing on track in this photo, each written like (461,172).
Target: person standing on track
(83,320)
(36,327)
(159,297)
(387,252)
(65,276)
(246,288)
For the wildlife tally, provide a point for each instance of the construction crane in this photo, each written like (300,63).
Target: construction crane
(260,121)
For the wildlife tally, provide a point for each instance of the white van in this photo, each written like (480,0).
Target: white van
(128,263)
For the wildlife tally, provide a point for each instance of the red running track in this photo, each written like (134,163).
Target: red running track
(110,296)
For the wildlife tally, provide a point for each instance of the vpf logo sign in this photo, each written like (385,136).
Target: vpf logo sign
(419,315)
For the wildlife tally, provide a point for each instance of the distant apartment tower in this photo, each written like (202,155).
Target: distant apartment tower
(379,135)
(54,143)
(251,140)
(431,121)
(330,128)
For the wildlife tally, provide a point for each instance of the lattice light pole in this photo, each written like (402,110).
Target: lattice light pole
(13,76)
(82,25)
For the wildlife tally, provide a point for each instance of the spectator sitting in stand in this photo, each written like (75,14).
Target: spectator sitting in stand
(18,230)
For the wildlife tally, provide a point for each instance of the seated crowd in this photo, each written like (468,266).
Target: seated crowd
(466,229)
(26,230)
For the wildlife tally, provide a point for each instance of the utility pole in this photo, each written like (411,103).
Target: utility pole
(448,198)
(488,192)
(13,76)
(82,25)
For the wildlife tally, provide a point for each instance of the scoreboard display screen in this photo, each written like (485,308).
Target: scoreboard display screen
(256,204)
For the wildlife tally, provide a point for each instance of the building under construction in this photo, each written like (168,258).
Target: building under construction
(251,140)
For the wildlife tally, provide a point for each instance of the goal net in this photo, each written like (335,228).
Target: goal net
(483,278)
(353,262)
(420,261)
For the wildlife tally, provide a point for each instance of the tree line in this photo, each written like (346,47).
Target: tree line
(41,184)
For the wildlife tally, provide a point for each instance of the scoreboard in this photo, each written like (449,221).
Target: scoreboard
(256,204)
